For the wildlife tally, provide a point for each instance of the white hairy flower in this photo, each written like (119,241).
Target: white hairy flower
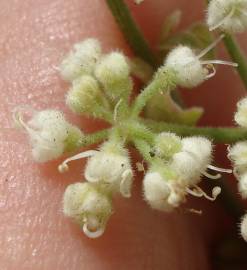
(111,167)
(241,114)
(238,155)
(192,160)
(88,206)
(243,227)
(81,60)
(159,192)
(190,70)
(49,133)
(227,15)
(242,185)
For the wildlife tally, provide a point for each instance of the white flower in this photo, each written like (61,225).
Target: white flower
(111,167)
(238,155)
(159,192)
(49,134)
(243,227)
(88,206)
(242,185)
(241,114)
(227,15)
(81,60)
(190,70)
(193,160)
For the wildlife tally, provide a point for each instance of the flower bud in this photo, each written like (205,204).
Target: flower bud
(241,114)
(113,72)
(81,60)
(50,135)
(193,160)
(157,191)
(243,227)
(242,185)
(227,15)
(167,144)
(111,167)
(84,95)
(238,155)
(88,206)
(189,70)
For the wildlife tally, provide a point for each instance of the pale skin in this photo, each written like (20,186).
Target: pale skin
(34,234)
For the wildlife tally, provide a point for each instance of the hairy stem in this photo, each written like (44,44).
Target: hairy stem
(220,135)
(164,81)
(131,31)
(94,138)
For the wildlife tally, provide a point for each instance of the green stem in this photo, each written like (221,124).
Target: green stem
(163,82)
(220,135)
(237,56)
(144,149)
(94,138)
(131,31)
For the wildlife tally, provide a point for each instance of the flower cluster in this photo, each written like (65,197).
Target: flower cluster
(101,85)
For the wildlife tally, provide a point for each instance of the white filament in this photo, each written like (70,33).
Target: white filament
(210,47)
(231,13)
(63,167)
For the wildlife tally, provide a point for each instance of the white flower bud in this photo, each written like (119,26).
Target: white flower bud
(156,191)
(88,206)
(113,72)
(167,144)
(242,185)
(238,155)
(50,134)
(111,167)
(243,227)
(189,70)
(81,60)
(241,114)
(84,95)
(227,15)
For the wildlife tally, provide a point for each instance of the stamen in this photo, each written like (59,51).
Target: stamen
(198,192)
(212,74)
(194,192)
(219,62)
(194,211)
(223,20)
(210,176)
(63,167)
(92,234)
(210,47)
(217,169)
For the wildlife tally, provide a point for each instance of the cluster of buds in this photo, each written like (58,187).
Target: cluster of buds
(100,87)
(108,171)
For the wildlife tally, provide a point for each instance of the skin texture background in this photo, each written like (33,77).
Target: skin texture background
(35,34)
